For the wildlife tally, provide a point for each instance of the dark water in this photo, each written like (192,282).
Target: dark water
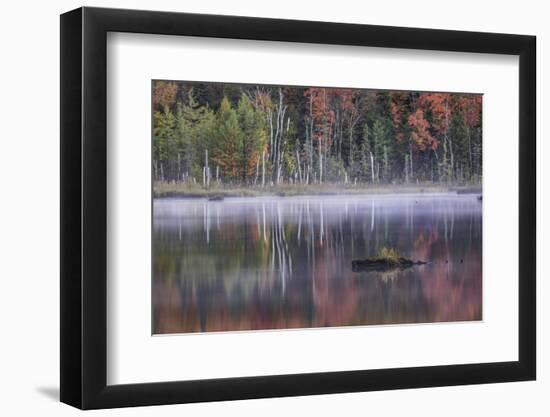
(266,263)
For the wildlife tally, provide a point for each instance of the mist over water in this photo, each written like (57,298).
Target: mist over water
(285,262)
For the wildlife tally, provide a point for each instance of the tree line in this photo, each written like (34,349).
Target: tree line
(256,135)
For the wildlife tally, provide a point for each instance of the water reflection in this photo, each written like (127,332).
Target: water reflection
(266,263)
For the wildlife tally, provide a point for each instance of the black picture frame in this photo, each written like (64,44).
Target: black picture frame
(84,207)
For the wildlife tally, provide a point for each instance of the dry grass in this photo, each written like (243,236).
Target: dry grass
(172,189)
(388,255)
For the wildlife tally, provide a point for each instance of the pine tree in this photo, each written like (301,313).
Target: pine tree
(253,137)
(194,125)
(227,140)
(261,134)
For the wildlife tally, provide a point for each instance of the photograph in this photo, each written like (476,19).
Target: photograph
(244,208)
(294,207)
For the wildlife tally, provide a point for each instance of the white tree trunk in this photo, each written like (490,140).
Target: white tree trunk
(257,171)
(298,165)
(206,169)
(372,166)
(411,161)
(263,169)
(320,164)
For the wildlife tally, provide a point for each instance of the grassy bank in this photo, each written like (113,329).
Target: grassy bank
(172,189)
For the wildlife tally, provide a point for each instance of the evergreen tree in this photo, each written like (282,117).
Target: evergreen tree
(261,135)
(227,142)
(164,143)
(195,125)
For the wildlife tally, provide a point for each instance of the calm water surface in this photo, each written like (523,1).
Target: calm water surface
(285,262)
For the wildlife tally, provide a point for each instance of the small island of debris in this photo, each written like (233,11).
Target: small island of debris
(385,260)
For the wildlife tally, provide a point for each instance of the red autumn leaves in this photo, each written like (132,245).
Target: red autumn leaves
(427,118)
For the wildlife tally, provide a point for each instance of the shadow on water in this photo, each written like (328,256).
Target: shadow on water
(268,263)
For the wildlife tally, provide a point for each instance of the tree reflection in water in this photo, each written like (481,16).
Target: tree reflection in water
(273,263)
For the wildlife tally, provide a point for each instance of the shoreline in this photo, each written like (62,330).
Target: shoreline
(161,191)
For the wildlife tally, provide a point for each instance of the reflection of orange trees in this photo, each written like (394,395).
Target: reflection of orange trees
(335,298)
(423,245)
(289,265)
(451,292)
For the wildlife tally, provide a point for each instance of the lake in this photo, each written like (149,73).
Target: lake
(256,263)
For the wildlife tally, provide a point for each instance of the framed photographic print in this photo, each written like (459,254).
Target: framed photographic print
(256,208)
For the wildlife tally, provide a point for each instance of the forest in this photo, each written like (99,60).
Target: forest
(219,135)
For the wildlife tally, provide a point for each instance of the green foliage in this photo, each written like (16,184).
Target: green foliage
(195,126)
(257,135)
(253,139)
(227,141)
(164,140)
(382,145)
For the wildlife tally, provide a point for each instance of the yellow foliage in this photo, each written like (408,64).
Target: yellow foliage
(388,254)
